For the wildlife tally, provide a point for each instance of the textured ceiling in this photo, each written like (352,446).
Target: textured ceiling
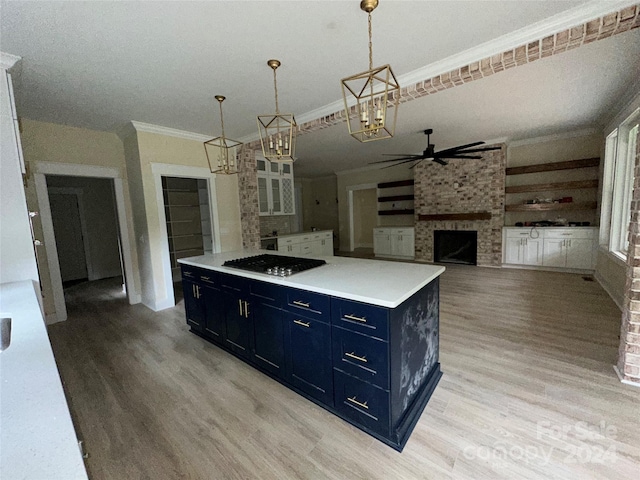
(99,65)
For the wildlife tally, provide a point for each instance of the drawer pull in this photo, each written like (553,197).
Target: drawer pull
(357,319)
(301,304)
(356,357)
(301,323)
(188,274)
(356,402)
(205,278)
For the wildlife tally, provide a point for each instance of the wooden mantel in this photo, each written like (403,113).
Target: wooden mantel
(456,216)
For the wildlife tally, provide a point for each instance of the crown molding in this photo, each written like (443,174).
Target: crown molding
(7,60)
(556,136)
(135,126)
(557,23)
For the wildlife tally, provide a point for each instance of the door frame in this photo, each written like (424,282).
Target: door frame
(41,169)
(79,194)
(160,170)
(350,190)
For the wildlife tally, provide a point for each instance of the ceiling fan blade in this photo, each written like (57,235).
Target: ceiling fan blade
(459,147)
(413,157)
(403,162)
(477,157)
(483,149)
(402,154)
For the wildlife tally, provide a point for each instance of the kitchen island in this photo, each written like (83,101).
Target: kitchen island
(358,337)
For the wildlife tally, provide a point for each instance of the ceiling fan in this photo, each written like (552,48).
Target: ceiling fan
(460,151)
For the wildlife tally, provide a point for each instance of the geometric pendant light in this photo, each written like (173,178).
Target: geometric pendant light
(374,96)
(277,132)
(221,151)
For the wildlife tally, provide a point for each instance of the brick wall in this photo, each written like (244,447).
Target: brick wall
(463,186)
(248,191)
(629,352)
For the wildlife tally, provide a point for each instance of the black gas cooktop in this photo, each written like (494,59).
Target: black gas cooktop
(274,264)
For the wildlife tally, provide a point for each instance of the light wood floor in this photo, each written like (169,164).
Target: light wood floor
(526,356)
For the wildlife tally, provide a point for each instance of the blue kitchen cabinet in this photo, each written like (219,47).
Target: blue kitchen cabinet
(193,305)
(309,356)
(269,338)
(234,293)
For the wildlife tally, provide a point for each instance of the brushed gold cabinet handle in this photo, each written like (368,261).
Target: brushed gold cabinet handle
(301,304)
(198,291)
(357,319)
(188,274)
(206,278)
(356,357)
(301,323)
(356,402)
(240,305)
(246,309)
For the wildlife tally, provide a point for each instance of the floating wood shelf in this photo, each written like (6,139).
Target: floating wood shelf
(550,167)
(544,187)
(540,207)
(408,211)
(395,198)
(456,216)
(399,183)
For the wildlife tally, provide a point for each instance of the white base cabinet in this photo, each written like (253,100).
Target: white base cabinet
(315,244)
(555,247)
(394,242)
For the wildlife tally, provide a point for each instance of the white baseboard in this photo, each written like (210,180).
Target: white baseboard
(622,379)
(606,286)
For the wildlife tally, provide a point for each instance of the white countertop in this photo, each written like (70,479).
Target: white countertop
(37,437)
(386,284)
(271,237)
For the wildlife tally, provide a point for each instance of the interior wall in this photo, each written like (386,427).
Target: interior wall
(365,176)
(143,150)
(364,217)
(582,145)
(52,143)
(319,199)
(101,222)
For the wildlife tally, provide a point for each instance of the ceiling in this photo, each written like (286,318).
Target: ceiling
(100,65)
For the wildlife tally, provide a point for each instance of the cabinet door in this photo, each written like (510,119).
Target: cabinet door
(263,195)
(405,246)
(309,357)
(316,247)
(192,305)
(214,321)
(268,340)
(579,253)
(288,196)
(237,324)
(381,244)
(275,190)
(554,254)
(532,251)
(513,251)
(327,246)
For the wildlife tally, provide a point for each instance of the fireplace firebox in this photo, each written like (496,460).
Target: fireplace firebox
(455,246)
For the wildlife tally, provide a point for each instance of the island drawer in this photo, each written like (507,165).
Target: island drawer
(361,402)
(363,357)
(234,283)
(268,293)
(196,274)
(314,305)
(360,317)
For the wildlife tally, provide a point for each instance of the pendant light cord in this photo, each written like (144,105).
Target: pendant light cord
(370,45)
(221,119)
(275,87)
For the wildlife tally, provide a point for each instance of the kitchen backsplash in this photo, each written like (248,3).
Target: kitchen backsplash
(280,223)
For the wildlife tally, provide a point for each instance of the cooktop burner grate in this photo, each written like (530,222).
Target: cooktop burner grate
(274,264)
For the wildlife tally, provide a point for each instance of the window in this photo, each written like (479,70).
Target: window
(620,153)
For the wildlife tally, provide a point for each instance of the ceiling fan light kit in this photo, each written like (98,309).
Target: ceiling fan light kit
(277,132)
(221,151)
(371,98)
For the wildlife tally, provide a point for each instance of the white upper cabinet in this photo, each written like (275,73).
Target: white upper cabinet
(275,187)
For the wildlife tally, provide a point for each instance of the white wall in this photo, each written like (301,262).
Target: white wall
(17,256)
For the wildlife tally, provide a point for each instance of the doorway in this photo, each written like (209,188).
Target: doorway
(85,226)
(46,172)
(363,215)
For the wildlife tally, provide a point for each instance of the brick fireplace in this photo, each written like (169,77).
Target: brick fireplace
(463,195)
